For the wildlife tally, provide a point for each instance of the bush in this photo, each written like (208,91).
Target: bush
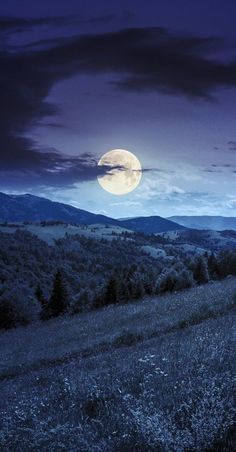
(172,279)
(226,263)
(7,314)
(18,306)
(83,301)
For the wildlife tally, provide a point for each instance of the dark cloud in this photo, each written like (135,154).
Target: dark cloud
(53,125)
(52,169)
(145,59)
(156,170)
(209,170)
(223,165)
(142,59)
(232,145)
(20,24)
(12,24)
(219,168)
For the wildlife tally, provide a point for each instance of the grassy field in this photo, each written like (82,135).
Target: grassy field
(154,375)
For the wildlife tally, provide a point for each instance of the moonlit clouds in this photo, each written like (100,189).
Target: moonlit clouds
(89,83)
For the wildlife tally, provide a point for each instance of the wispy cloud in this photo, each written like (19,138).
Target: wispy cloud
(210,170)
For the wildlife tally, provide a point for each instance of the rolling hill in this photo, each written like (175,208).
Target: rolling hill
(151,225)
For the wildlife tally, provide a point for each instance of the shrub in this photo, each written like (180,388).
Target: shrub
(18,306)
(227,263)
(82,301)
(174,279)
(7,314)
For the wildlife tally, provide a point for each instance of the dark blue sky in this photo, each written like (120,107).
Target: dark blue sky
(156,78)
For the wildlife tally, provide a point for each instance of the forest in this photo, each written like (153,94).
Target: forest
(78,274)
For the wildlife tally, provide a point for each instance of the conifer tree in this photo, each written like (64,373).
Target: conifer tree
(58,301)
(213,266)
(200,273)
(39,295)
(111,291)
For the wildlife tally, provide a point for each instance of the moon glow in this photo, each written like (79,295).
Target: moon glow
(124,172)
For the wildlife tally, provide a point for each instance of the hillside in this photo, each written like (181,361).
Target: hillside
(151,224)
(217,223)
(204,239)
(49,232)
(100,265)
(154,375)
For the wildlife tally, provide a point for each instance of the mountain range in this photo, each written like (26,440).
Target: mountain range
(216,223)
(27,207)
(19,208)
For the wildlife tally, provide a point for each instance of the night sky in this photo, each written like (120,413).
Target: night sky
(158,78)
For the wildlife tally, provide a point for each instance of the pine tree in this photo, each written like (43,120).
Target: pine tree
(111,292)
(200,273)
(109,295)
(213,266)
(39,295)
(58,300)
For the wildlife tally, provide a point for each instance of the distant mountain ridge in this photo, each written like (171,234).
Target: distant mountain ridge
(216,223)
(20,208)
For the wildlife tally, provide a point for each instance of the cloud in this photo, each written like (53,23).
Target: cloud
(127,204)
(161,188)
(145,59)
(232,145)
(54,125)
(14,24)
(156,170)
(222,165)
(51,169)
(210,170)
(137,59)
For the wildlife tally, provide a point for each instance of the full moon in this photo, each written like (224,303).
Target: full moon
(124,172)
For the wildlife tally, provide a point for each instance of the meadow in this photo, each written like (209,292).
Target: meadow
(157,374)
